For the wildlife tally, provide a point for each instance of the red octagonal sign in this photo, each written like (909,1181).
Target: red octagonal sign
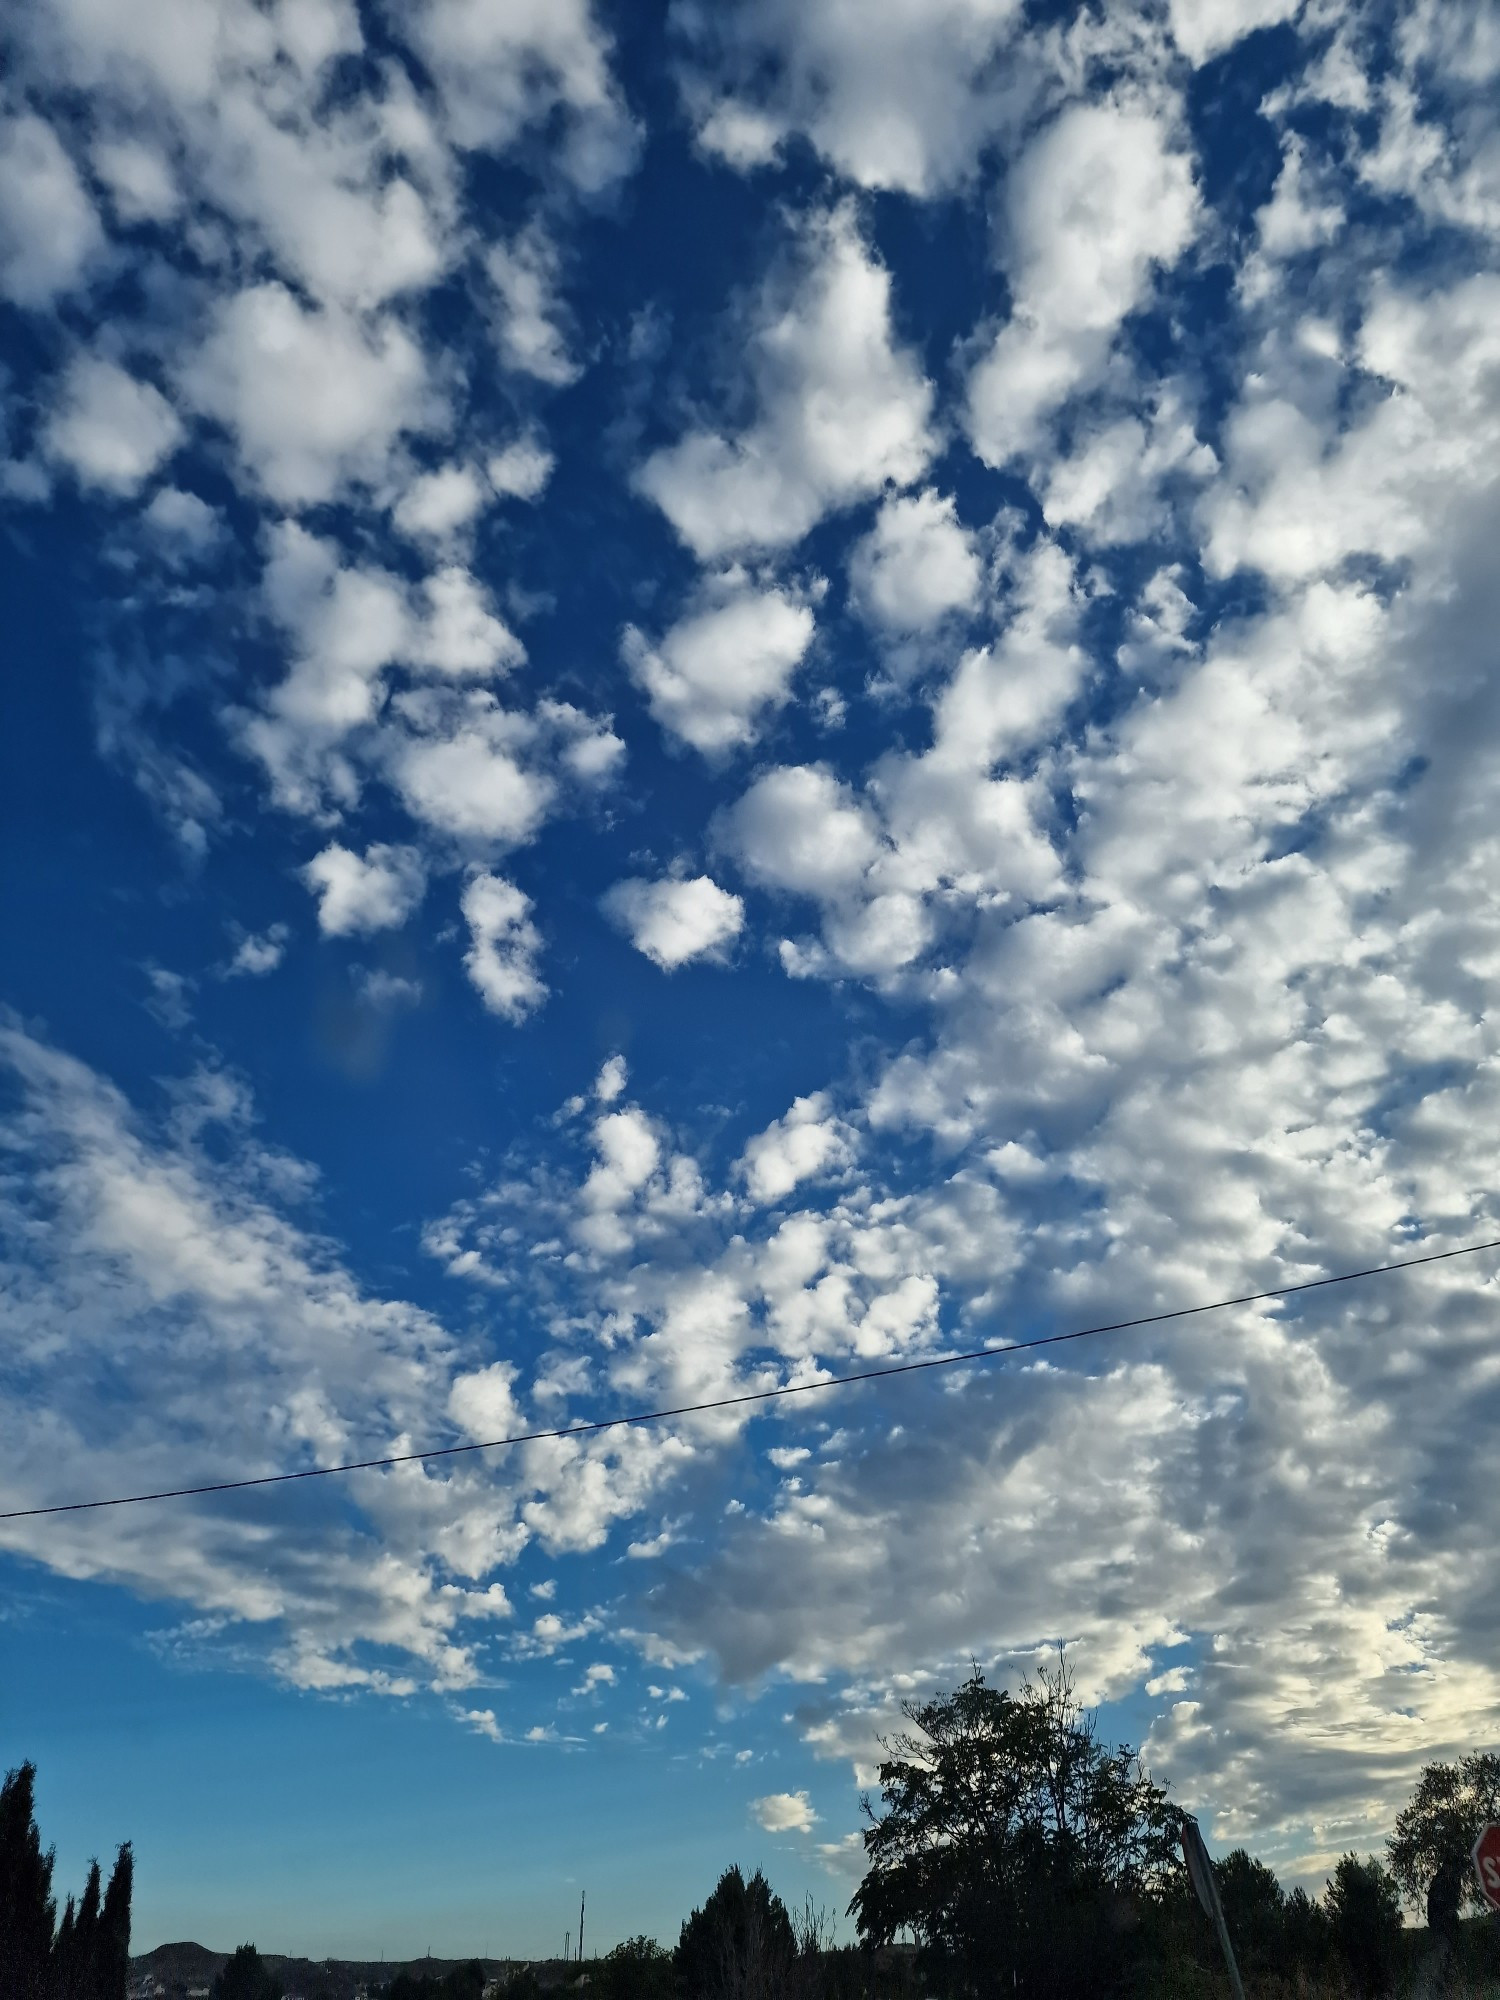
(1487,1865)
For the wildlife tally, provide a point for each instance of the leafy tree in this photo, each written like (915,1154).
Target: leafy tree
(1435,1835)
(740,1945)
(1014,1846)
(1306,1941)
(1254,1908)
(246,1976)
(638,1969)
(27,1905)
(1364,1920)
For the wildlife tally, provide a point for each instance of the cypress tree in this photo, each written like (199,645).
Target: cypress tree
(112,1960)
(27,1906)
(65,1956)
(86,1939)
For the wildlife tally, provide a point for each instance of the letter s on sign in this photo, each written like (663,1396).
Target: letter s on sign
(1491,1873)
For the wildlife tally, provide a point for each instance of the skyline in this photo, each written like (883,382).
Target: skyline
(698,698)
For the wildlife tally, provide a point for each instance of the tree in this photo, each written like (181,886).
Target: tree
(246,1976)
(75,1954)
(1364,1920)
(27,1905)
(740,1945)
(89,1957)
(112,1953)
(1435,1835)
(638,1969)
(1254,1909)
(1014,1846)
(1306,1942)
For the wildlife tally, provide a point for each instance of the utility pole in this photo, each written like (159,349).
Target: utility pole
(582,1898)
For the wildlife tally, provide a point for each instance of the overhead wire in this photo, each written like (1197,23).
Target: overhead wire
(633,1419)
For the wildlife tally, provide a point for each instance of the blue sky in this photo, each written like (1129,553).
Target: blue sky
(699,696)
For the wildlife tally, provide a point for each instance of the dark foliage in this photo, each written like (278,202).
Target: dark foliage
(1429,1850)
(1023,1855)
(464,1982)
(1364,1922)
(739,1946)
(27,1908)
(88,1957)
(638,1969)
(247,1977)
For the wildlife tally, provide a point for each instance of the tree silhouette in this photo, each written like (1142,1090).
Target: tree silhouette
(1430,1848)
(740,1945)
(27,1906)
(89,1957)
(638,1969)
(1013,1845)
(1364,1918)
(246,1976)
(112,1954)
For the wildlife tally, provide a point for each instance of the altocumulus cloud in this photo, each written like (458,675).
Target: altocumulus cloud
(1131,943)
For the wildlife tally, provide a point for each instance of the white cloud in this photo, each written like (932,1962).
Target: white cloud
(182,1258)
(111,429)
(524,275)
(503,948)
(439,505)
(385,991)
(784,1812)
(807,1141)
(49,233)
(731,657)
(504,69)
(1112,484)
(184,528)
(139,179)
(483,1403)
(1205,28)
(677,919)
(1096,202)
(463,775)
(905,96)
(255,955)
(521,470)
(314,399)
(916,565)
(358,894)
(800,829)
(843,410)
(463,637)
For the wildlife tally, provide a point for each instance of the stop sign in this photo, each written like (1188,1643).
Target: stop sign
(1487,1864)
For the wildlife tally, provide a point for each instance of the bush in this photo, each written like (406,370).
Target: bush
(638,1969)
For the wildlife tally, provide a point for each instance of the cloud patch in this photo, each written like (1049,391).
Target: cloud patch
(677,919)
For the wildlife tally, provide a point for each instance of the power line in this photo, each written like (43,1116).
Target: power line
(638,1417)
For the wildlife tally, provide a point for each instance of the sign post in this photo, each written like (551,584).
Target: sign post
(1487,1864)
(1201,1875)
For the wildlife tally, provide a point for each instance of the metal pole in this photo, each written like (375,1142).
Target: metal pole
(582,1899)
(1201,1874)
